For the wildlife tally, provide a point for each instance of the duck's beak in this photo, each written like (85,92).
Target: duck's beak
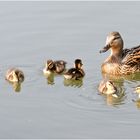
(106,48)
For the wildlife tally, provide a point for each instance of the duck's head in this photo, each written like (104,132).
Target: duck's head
(19,76)
(107,87)
(78,63)
(114,42)
(49,64)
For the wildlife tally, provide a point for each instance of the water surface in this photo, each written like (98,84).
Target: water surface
(31,33)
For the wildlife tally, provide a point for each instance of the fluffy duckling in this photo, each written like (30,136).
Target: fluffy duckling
(107,87)
(137,90)
(75,73)
(57,67)
(14,75)
(137,102)
(121,61)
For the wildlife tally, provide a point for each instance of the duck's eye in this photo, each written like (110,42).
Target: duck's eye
(111,43)
(115,38)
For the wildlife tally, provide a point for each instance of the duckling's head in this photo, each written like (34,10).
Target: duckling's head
(19,76)
(49,64)
(137,89)
(114,42)
(78,63)
(107,87)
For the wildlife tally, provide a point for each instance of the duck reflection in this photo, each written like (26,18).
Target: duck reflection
(50,79)
(121,78)
(73,83)
(16,86)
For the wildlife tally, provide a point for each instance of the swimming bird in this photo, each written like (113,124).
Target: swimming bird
(57,67)
(108,87)
(14,75)
(75,73)
(137,90)
(121,61)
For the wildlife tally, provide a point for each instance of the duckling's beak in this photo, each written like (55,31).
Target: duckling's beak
(106,48)
(115,95)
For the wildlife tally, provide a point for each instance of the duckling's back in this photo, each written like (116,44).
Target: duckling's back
(60,66)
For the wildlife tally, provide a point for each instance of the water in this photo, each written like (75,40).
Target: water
(31,33)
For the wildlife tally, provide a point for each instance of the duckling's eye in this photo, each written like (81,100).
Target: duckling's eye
(109,84)
(111,43)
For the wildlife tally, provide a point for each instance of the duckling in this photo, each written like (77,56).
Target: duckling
(137,90)
(121,61)
(57,67)
(137,102)
(107,87)
(75,73)
(14,75)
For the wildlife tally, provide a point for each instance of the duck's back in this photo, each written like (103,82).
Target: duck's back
(131,60)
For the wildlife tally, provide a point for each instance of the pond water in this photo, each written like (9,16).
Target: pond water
(33,32)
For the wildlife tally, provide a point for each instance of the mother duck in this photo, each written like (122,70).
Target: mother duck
(121,61)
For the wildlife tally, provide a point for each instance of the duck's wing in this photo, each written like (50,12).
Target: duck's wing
(131,60)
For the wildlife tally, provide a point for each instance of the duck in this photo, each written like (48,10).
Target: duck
(14,75)
(108,87)
(57,67)
(76,73)
(121,61)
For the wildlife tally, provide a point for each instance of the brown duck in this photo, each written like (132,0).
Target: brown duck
(121,61)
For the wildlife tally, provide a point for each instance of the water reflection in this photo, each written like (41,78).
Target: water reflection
(119,82)
(50,79)
(73,83)
(16,86)
(131,77)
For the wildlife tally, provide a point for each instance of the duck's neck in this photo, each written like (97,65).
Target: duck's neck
(117,54)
